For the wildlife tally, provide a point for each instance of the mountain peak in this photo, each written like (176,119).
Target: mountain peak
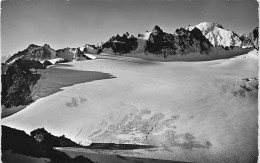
(33,46)
(217,35)
(46,45)
(157,29)
(210,25)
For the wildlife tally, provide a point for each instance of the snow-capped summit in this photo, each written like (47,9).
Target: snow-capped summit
(217,35)
(206,27)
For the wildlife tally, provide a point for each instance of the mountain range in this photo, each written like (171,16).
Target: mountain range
(201,38)
(45,52)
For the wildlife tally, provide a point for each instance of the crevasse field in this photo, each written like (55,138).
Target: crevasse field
(203,111)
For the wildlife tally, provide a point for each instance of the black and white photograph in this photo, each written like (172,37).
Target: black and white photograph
(129,81)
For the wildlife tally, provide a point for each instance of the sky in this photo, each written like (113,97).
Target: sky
(74,23)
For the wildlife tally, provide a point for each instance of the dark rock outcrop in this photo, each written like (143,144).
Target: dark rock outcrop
(17,82)
(250,39)
(158,40)
(44,137)
(21,143)
(47,63)
(121,44)
(182,42)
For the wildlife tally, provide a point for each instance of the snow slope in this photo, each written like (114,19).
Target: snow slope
(55,60)
(217,35)
(193,111)
(142,38)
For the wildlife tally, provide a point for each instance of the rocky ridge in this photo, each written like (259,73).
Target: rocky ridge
(34,52)
(37,145)
(45,52)
(121,44)
(18,81)
(181,42)
(201,38)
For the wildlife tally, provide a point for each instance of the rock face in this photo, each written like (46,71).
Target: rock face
(17,82)
(182,42)
(155,41)
(159,42)
(66,53)
(70,54)
(35,52)
(21,143)
(250,39)
(121,44)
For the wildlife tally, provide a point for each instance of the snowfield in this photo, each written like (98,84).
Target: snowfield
(142,38)
(204,111)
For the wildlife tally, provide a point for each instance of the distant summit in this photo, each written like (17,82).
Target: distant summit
(35,52)
(250,39)
(204,26)
(157,30)
(217,35)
